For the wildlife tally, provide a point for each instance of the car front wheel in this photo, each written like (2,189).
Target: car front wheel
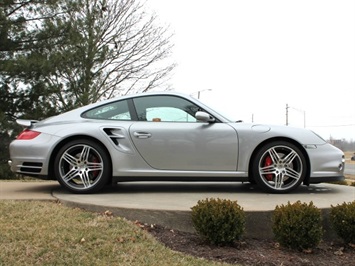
(82,166)
(279,167)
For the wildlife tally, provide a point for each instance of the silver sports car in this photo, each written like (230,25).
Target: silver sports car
(169,137)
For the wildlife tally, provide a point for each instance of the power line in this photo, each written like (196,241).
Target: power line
(349,125)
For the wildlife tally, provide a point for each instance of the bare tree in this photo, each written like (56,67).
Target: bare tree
(109,48)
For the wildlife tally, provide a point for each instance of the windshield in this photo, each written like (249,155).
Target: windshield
(211,107)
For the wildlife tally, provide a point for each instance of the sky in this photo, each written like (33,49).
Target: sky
(251,59)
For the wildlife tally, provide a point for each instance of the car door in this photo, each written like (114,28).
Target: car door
(170,138)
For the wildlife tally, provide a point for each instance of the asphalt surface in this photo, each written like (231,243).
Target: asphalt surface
(349,169)
(169,204)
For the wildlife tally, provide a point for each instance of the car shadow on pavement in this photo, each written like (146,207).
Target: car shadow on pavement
(204,187)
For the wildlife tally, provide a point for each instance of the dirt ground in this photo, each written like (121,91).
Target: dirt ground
(249,252)
(253,251)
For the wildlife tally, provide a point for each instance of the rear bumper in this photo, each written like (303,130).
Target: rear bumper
(31,157)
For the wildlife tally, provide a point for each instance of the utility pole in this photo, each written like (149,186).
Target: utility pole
(299,110)
(199,93)
(286,114)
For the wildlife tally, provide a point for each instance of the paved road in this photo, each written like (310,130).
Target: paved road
(349,169)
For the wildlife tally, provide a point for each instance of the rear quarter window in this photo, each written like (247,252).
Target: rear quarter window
(113,111)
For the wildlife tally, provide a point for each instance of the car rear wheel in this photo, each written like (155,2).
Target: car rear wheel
(82,166)
(279,167)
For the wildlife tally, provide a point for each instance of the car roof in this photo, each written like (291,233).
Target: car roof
(76,113)
(156,93)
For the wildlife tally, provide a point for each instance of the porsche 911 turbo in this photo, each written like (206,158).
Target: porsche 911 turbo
(169,136)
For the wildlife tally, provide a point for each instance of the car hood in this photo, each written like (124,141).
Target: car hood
(301,135)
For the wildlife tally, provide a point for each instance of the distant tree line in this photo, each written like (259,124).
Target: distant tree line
(56,55)
(343,144)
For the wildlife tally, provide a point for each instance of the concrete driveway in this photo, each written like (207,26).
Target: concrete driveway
(169,204)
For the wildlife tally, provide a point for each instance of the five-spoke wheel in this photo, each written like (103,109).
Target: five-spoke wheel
(82,166)
(279,167)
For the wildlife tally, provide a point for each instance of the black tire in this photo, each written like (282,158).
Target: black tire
(279,167)
(82,166)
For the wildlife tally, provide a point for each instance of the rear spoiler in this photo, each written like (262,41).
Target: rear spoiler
(25,122)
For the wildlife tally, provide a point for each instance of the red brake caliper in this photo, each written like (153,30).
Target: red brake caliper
(268,162)
(96,172)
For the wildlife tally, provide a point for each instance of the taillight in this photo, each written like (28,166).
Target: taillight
(28,134)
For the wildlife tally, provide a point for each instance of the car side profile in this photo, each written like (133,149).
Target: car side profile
(169,137)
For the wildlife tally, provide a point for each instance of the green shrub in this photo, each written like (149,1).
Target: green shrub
(298,225)
(342,218)
(220,222)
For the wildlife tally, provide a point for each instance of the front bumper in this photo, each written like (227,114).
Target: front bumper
(327,163)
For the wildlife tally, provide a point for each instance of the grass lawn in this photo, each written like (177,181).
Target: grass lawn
(348,155)
(48,233)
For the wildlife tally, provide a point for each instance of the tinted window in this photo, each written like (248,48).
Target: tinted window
(165,108)
(112,111)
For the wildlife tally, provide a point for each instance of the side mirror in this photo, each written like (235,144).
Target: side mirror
(204,117)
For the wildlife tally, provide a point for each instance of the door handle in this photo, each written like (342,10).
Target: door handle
(142,135)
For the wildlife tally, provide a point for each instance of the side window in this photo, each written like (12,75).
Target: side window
(165,109)
(168,114)
(112,111)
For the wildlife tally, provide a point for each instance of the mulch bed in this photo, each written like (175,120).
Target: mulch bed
(252,251)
